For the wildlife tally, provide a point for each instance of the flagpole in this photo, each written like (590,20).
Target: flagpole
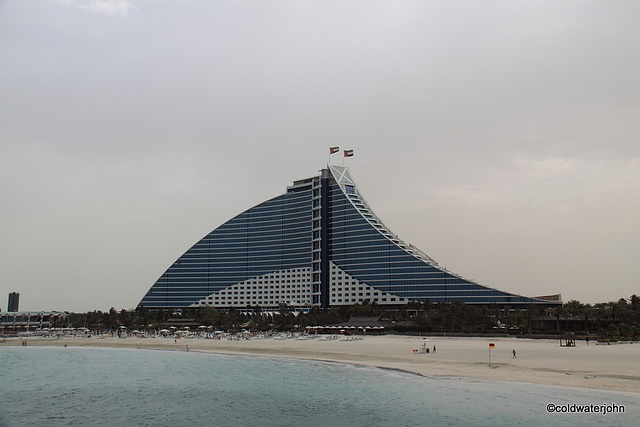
(346,153)
(333,150)
(491,346)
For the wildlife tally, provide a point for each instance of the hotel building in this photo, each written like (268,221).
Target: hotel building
(317,245)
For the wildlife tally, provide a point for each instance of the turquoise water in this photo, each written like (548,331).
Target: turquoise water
(45,386)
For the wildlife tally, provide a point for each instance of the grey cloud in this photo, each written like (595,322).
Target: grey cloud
(499,137)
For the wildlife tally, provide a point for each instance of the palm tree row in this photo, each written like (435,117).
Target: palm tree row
(616,319)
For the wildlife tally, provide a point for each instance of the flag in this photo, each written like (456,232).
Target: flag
(333,150)
(492,345)
(348,153)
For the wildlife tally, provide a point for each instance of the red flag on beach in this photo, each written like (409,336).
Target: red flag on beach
(492,345)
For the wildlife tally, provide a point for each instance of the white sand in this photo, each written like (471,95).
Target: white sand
(604,367)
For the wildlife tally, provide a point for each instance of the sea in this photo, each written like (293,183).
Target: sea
(58,386)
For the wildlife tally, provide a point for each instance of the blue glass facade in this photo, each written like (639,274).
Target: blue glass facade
(364,252)
(275,235)
(319,244)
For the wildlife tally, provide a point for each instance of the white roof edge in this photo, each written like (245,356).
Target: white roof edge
(342,176)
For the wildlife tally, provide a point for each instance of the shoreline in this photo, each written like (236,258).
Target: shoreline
(543,362)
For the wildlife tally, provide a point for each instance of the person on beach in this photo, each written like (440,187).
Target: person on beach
(188,347)
(513,354)
(434,348)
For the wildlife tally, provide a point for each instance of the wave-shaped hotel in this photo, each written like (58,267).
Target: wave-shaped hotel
(317,245)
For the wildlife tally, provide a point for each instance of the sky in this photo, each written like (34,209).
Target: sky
(499,137)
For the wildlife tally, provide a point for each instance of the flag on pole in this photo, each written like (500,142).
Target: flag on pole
(491,347)
(348,153)
(333,150)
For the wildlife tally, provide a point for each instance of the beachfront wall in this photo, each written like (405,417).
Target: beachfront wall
(318,245)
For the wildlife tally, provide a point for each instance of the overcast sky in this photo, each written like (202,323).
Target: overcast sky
(500,137)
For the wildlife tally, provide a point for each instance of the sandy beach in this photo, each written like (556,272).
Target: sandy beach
(603,367)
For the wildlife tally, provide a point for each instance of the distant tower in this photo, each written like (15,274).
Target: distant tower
(14,301)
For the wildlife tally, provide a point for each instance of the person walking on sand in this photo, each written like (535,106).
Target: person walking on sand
(434,348)
(513,354)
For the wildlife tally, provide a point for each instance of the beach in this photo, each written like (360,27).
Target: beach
(603,367)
